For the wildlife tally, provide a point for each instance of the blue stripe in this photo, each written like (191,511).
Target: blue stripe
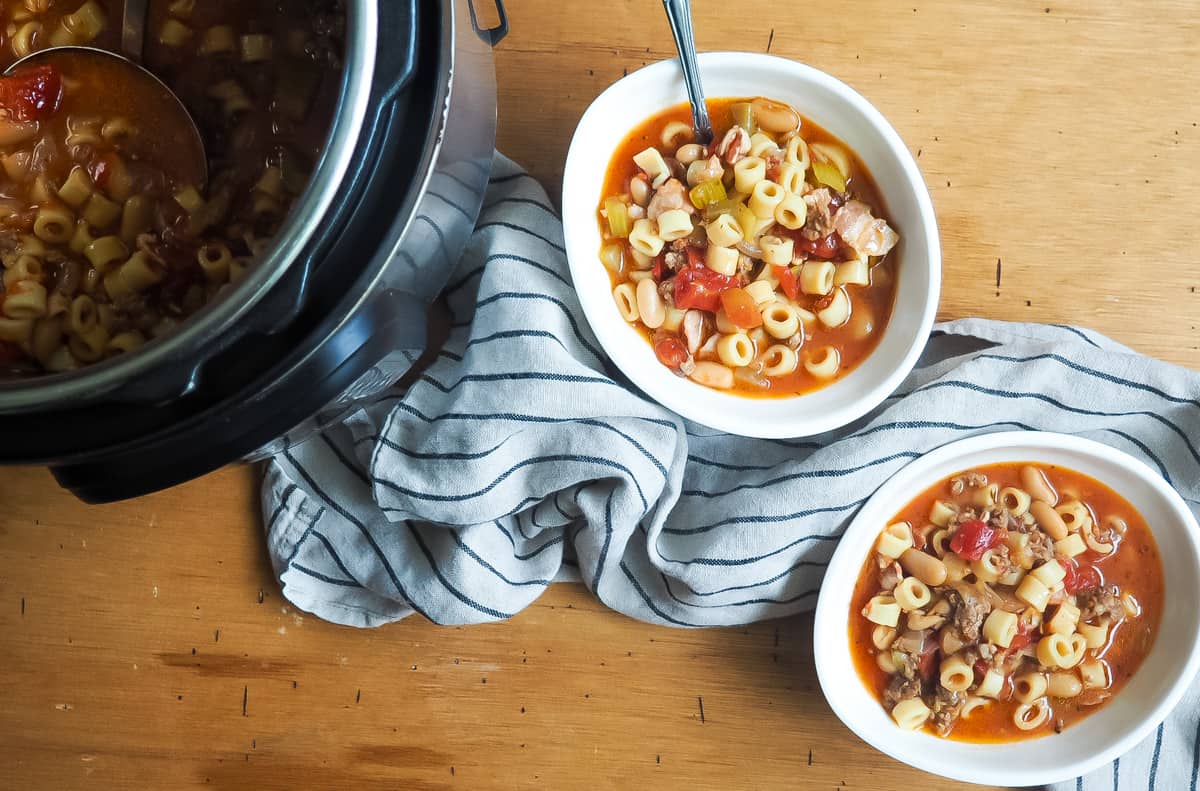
(466,185)
(1107,377)
(412,454)
(441,236)
(971,386)
(1195,757)
(506,334)
(735,467)
(558,457)
(521,529)
(1154,758)
(287,454)
(347,463)
(1145,449)
(283,499)
(304,536)
(519,418)
(558,508)
(470,217)
(408,259)
(319,576)
(908,454)
(337,560)
(525,201)
(479,270)
(1079,783)
(759,519)
(524,376)
(544,298)
(1117,774)
(649,602)
(789,600)
(533,517)
(723,562)
(472,554)
(608,533)
(941,424)
(799,565)
(552,542)
(455,592)
(511,177)
(1074,331)
(512,226)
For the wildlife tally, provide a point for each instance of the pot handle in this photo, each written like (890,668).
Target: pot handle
(494,35)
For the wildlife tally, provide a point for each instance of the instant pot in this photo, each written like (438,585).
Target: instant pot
(319,323)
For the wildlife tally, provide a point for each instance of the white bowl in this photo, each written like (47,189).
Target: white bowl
(1115,727)
(836,107)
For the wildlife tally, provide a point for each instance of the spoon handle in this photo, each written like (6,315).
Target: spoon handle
(679,12)
(133,29)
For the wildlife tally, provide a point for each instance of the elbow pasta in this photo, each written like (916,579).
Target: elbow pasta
(105,244)
(739,231)
(937,625)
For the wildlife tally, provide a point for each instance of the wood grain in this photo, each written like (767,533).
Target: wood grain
(146,645)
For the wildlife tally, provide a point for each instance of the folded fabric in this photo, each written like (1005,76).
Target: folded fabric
(520,453)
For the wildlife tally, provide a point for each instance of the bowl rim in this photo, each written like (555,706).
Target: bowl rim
(846,562)
(669,393)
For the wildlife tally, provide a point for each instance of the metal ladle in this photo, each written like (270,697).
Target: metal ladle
(163,112)
(679,12)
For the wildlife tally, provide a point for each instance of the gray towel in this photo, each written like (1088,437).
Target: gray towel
(520,454)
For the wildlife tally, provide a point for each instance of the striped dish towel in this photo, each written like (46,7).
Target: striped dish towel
(520,454)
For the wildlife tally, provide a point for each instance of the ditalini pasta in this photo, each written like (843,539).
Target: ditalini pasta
(971,621)
(766,241)
(107,239)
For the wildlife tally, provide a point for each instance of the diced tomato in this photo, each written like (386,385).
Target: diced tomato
(1079,579)
(31,94)
(1019,641)
(973,538)
(787,280)
(659,265)
(927,661)
(981,669)
(741,308)
(700,287)
(820,248)
(670,351)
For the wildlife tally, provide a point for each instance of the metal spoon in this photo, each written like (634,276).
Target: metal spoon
(181,151)
(679,12)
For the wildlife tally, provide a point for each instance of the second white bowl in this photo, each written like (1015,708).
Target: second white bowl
(1113,728)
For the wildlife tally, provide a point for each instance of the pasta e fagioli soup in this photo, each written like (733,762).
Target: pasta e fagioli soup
(1006,602)
(757,264)
(109,236)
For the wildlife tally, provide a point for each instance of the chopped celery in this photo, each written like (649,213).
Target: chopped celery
(743,116)
(714,210)
(747,221)
(827,173)
(618,217)
(708,192)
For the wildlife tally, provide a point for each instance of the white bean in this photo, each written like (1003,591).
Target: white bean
(650,304)
(712,375)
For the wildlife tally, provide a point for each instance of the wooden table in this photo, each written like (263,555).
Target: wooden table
(146,645)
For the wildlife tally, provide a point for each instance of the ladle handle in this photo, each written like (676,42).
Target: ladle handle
(679,12)
(133,29)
